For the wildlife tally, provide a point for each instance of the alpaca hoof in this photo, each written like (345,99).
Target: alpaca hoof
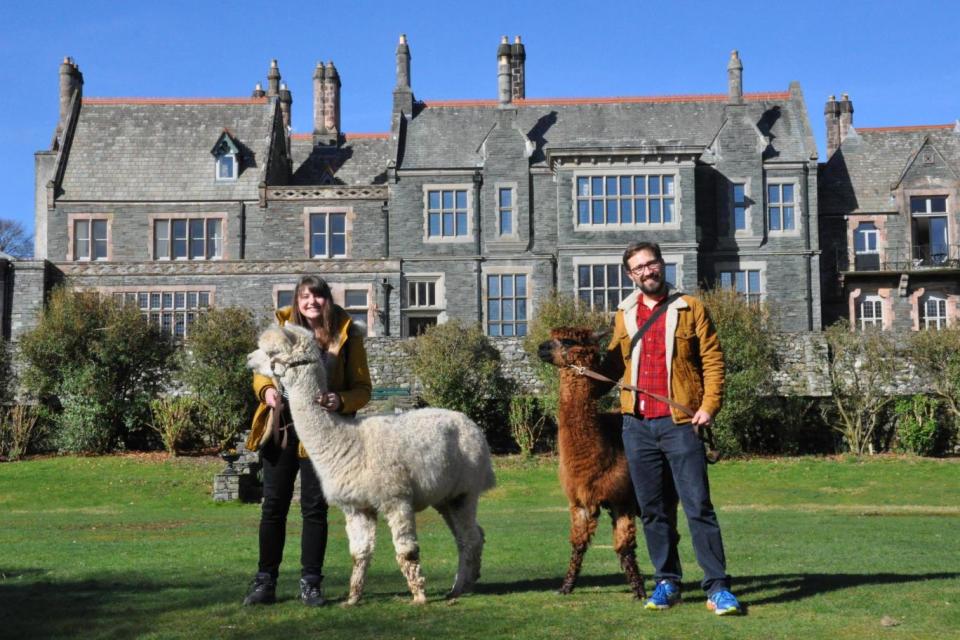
(564,591)
(418,601)
(350,602)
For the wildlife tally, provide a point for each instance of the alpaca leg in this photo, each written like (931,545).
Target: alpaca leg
(362,533)
(583,524)
(625,544)
(461,517)
(403,526)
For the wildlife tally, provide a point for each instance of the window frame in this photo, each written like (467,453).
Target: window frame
(877,320)
(157,315)
(88,220)
(156,219)
(578,262)
(796,203)
(732,206)
(606,174)
(468,210)
(941,321)
(514,232)
(528,297)
(348,216)
(235,173)
(733,268)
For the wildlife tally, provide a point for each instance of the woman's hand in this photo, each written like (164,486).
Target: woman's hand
(329,401)
(272,398)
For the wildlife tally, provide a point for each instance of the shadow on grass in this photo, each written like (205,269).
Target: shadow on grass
(109,605)
(551,583)
(788,587)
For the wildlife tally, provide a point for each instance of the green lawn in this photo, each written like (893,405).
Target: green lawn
(121,547)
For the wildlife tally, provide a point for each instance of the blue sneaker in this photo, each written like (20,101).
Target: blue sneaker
(665,595)
(723,603)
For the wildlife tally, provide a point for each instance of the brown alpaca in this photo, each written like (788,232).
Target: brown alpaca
(593,467)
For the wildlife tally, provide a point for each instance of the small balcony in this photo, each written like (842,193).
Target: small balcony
(917,258)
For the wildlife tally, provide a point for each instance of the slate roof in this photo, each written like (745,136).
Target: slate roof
(360,160)
(159,149)
(449,134)
(859,176)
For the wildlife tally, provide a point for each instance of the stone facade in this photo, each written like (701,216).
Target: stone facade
(473,209)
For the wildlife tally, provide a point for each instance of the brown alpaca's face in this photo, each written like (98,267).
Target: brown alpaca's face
(569,346)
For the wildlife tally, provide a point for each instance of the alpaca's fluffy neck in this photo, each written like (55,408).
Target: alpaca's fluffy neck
(577,432)
(320,431)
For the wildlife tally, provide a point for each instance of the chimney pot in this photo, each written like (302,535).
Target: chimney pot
(504,89)
(273,79)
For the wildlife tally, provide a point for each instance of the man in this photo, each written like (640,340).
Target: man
(677,357)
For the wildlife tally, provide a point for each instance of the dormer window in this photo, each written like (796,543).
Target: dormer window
(226,155)
(227,167)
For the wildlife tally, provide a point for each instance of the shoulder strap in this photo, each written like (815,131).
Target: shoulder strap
(653,317)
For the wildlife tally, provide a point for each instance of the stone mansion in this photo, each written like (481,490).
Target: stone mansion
(478,209)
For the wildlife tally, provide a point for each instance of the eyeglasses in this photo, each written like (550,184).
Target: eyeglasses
(653,266)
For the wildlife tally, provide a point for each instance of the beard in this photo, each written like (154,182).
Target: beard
(653,284)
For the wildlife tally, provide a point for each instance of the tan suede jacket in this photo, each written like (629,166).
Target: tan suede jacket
(349,375)
(694,359)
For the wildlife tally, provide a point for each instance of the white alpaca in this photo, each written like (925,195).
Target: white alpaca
(395,465)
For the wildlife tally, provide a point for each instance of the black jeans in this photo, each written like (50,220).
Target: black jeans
(667,465)
(280,468)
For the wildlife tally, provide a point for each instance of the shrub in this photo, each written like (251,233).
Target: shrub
(173,420)
(19,429)
(7,378)
(96,364)
(213,368)
(526,422)
(917,425)
(862,368)
(936,359)
(748,421)
(559,310)
(459,369)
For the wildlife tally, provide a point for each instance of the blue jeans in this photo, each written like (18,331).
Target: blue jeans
(667,466)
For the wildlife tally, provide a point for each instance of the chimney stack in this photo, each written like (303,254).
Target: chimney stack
(403,63)
(735,79)
(71,82)
(518,57)
(503,71)
(319,74)
(258,91)
(273,79)
(402,93)
(331,106)
(846,116)
(831,116)
(286,102)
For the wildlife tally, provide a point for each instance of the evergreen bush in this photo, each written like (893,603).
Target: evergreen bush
(95,364)
(213,368)
(459,369)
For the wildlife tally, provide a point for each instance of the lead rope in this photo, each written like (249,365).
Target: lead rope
(704,432)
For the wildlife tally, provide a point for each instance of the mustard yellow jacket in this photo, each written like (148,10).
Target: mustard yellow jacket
(695,367)
(346,363)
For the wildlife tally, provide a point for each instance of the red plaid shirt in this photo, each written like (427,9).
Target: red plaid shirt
(652,373)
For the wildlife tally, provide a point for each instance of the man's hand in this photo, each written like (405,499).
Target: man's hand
(701,419)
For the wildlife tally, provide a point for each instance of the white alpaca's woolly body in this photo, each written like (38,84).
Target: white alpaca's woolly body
(393,465)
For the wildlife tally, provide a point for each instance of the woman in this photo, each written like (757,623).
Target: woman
(282,454)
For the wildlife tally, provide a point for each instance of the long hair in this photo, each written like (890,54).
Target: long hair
(318,287)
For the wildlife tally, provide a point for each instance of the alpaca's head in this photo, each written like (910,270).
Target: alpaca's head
(286,354)
(571,345)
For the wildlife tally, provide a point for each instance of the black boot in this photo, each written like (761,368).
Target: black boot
(310,591)
(263,590)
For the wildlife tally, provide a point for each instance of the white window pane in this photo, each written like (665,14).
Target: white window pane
(161,239)
(81,234)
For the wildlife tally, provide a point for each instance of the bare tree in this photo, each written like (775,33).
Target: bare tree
(14,239)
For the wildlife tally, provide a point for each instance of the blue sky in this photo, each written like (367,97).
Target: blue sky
(898,61)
